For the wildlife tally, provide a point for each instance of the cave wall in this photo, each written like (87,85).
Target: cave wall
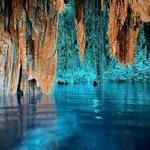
(93,40)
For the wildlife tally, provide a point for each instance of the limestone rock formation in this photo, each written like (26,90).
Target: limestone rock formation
(125,21)
(80,26)
(28,31)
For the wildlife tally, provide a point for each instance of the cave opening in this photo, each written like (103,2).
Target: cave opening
(19,91)
(147,37)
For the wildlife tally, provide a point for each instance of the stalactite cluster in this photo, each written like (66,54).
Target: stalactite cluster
(28,31)
(125,22)
(124,25)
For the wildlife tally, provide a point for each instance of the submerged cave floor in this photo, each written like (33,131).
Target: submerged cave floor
(115,116)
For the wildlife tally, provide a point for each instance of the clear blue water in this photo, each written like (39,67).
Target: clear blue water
(115,116)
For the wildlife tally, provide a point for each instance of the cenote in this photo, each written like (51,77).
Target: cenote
(74,74)
(113,116)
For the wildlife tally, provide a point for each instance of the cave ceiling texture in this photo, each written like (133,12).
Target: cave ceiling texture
(29,30)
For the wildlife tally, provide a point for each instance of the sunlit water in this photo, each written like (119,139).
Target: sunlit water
(115,116)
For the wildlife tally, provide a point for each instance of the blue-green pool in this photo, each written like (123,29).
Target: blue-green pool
(114,116)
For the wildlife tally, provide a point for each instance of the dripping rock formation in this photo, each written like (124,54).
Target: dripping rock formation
(28,31)
(32,31)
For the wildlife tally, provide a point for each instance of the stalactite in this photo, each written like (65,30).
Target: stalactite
(124,25)
(79,20)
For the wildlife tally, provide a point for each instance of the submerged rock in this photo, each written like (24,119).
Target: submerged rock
(95,83)
(61,83)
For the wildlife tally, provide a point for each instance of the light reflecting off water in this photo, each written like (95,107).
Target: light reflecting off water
(115,116)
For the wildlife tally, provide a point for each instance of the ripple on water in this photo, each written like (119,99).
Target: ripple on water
(115,116)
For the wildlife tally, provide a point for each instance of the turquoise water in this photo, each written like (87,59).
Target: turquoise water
(115,116)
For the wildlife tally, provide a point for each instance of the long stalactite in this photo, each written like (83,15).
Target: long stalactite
(79,20)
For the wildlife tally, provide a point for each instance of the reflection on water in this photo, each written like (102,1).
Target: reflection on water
(115,116)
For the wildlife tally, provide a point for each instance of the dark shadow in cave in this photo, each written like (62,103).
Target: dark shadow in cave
(147,37)
(33,88)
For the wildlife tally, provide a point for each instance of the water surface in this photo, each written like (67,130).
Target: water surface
(115,116)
